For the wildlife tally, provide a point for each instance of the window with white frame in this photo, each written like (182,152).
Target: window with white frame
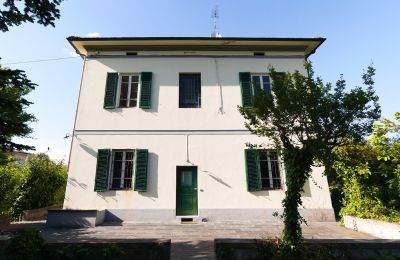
(262,81)
(122,169)
(128,90)
(269,169)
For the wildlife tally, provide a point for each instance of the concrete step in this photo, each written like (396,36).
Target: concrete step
(197,249)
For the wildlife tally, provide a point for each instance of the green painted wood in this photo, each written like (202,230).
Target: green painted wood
(102,170)
(141,168)
(111,90)
(245,87)
(186,191)
(145,90)
(252,175)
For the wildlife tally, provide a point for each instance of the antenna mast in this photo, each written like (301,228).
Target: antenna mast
(215,16)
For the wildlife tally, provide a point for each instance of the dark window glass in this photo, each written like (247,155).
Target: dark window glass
(189,90)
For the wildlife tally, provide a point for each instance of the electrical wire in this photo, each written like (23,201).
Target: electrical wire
(33,61)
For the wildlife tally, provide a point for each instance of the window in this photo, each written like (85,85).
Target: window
(269,169)
(262,170)
(122,169)
(189,90)
(262,81)
(128,90)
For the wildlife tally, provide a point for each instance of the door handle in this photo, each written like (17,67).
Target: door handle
(195,189)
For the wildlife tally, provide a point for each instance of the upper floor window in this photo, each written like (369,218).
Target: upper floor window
(128,90)
(261,81)
(189,90)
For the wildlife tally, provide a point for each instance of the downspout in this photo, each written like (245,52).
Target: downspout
(76,112)
(221,107)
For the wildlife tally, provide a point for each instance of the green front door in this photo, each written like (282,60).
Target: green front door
(186,190)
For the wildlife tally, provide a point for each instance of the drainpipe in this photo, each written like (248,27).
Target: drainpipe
(221,107)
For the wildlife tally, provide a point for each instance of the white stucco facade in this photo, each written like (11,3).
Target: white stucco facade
(212,137)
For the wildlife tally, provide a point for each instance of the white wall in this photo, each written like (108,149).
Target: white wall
(165,112)
(221,173)
(218,155)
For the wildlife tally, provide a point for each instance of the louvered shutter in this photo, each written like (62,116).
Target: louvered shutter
(253,177)
(111,90)
(141,168)
(145,90)
(102,169)
(245,87)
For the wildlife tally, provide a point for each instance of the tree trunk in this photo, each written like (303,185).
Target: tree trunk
(298,168)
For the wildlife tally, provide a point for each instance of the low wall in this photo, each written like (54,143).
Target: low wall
(38,214)
(374,227)
(75,218)
(249,249)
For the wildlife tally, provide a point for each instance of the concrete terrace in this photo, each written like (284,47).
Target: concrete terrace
(196,241)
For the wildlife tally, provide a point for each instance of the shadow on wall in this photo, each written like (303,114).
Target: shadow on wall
(73,182)
(105,195)
(112,219)
(152,178)
(218,179)
(88,149)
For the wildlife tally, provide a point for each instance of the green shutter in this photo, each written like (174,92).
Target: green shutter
(145,90)
(141,166)
(245,87)
(102,169)
(253,177)
(111,90)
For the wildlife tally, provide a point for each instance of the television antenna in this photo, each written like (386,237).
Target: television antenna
(215,16)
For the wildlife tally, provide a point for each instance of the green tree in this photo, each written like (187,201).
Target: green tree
(44,182)
(14,120)
(11,176)
(370,174)
(14,85)
(44,12)
(306,119)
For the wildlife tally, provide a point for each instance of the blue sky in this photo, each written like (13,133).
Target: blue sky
(358,32)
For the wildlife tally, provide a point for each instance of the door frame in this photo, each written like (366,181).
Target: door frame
(194,170)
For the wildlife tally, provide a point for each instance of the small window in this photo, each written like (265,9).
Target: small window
(122,169)
(128,90)
(259,54)
(262,81)
(269,170)
(189,90)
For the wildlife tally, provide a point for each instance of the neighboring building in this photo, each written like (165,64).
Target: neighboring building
(19,157)
(158,135)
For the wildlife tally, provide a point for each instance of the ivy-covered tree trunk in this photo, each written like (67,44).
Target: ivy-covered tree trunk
(298,167)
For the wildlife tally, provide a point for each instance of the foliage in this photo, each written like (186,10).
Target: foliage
(43,182)
(370,173)
(14,120)
(14,85)
(274,249)
(71,252)
(44,12)
(26,244)
(306,119)
(11,176)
